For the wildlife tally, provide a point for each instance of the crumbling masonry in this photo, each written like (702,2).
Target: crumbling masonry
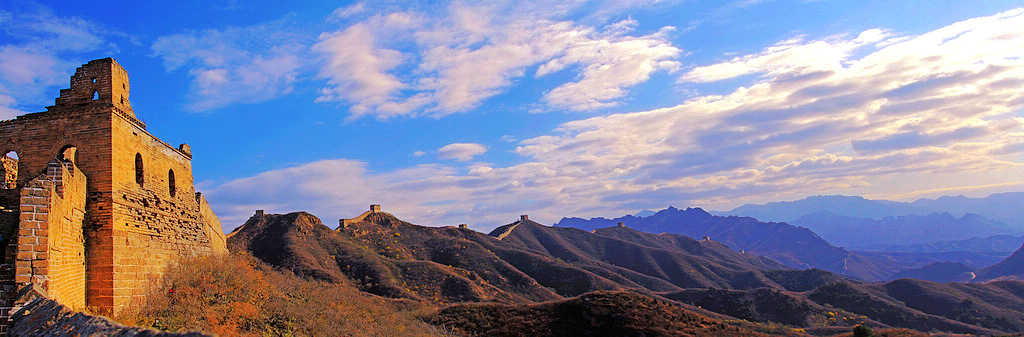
(93,207)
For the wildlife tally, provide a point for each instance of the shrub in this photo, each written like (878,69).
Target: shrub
(237,296)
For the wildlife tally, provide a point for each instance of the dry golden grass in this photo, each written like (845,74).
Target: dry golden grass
(237,296)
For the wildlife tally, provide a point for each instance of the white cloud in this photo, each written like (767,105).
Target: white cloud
(349,11)
(461,151)
(38,52)
(235,64)
(469,53)
(914,108)
(357,71)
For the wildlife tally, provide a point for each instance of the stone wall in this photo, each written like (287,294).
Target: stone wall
(135,208)
(212,224)
(51,247)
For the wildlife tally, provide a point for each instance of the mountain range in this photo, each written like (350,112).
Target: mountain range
(796,247)
(530,277)
(1004,207)
(866,233)
(996,244)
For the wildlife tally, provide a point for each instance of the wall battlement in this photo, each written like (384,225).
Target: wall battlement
(102,206)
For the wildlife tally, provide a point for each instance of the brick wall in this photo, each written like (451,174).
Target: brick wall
(51,247)
(131,228)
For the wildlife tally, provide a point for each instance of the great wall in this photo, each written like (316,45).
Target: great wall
(93,207)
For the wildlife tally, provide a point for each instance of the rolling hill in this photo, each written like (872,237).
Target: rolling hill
(526,277)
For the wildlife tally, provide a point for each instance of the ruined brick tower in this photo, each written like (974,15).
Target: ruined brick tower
(93,207)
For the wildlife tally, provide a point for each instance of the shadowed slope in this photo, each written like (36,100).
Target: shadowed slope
(594,314)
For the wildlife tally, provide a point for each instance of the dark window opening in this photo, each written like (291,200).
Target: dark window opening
(139,176)
(68,154)
(170,182)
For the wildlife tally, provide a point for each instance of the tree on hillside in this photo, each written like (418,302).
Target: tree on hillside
(862,331)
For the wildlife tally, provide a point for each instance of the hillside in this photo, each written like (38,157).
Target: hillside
(1010,268)
(593,314)
(940,272)
(515,277)
(393,258)
(865,233)
(426,264)
(991,308)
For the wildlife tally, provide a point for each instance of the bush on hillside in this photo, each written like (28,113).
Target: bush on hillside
(238,296)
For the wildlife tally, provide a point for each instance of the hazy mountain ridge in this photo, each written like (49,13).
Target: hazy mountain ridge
(992,244)
(999,207)
(865,233)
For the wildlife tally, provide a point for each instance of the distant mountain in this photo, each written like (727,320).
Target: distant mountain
(644,213)
(999,207)
(941,272)
(991,244)
(783,211)
(793,246)
(1005,207)
(865,233)
(1011,268)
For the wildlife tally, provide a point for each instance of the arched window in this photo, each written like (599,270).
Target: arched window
(9,168)
(95,95)
(68,153)
(170,182)
(139,176)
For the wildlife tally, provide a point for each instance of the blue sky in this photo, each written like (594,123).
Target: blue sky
(457,112)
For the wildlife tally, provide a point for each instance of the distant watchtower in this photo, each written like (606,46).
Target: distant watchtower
(344,223)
